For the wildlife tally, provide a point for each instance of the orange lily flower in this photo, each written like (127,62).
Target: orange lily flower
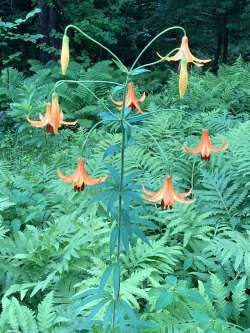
(167,195)
(80,178)
(205,146)
(131,99)
(184,52)
(53,118)
(185,56)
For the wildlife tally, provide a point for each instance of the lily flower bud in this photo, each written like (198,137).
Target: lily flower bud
(65,54)
(183,78)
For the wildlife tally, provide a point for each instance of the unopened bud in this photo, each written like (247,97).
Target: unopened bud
(55,115)
(55,102)
(65,54)
(183,78)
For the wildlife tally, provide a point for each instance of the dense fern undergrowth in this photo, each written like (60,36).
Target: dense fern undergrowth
(194,275)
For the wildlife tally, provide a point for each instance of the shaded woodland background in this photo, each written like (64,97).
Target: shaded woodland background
(218,29)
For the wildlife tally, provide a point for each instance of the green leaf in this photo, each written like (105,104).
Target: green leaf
(111,150)
(105,277)
(171,280)
(200,317)
(138,71)
(164,299)
(192,295)
(108,116)
(46,315)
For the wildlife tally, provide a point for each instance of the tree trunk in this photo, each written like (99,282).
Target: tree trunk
(219,43)
(225,38)
(44,28)
(48,21)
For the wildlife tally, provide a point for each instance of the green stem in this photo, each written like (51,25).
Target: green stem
(158,61)
(120,200)
(89,133)
(93,40)
(153,40)
(58,83)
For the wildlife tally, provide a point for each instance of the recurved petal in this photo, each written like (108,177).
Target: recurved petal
(204,61)
(150,193)
(37,123)
(194,150)
(217,149)
(142,99)
(179,198)
(197,64)
(157,196)
(153,199)
(93,181)
(66,179)
(138,108)
(175,57)
(69,122)
(184,195)
(119,103)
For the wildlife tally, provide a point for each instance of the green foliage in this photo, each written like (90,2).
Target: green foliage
(28,96)
(193,276)
(9,32)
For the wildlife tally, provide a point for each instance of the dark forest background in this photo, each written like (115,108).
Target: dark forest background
(218,29)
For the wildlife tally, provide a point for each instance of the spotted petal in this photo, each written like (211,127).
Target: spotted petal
(178,197)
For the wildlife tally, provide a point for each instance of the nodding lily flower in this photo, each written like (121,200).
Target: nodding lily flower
(131,99)
(167,195)
(185,57)
(65,54)
(205,146)
(185,51)
(53,118)
(80,178)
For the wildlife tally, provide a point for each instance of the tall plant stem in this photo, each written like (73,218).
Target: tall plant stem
(120,201)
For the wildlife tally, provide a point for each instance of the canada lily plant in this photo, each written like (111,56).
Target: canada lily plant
(117,193)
